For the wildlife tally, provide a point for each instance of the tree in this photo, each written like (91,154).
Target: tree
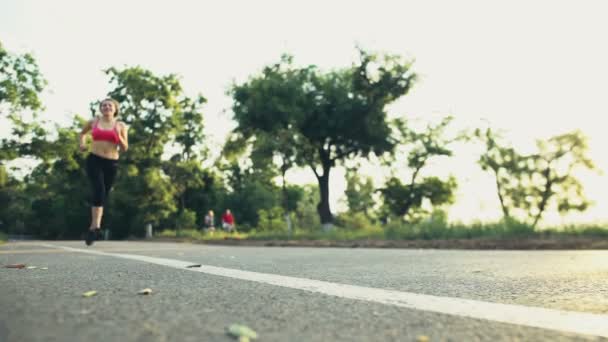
(268,150)
(528,184)
(184,168)
(331,116)
(190,128)
(20,82)
(406,198)
(554,179)
(509,168)
(249,190)
(157,112)
(150,106)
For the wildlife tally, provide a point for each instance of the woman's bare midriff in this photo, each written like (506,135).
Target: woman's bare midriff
(105,149)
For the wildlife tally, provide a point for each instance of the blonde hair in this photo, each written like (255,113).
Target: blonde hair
(114,103)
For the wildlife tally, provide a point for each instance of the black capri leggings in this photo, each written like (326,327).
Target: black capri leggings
(101,172)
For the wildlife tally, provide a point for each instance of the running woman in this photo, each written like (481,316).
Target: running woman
(109,139)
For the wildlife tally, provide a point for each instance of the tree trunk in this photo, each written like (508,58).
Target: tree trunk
(505,210)
(408,205)
(323,206)
(182,205)
(286,200)
(545,197)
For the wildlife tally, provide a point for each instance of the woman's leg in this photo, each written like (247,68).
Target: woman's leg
(96,214)
(109,174)
(95,172)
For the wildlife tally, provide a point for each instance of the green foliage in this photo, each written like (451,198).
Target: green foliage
(330,116)
(20,86)
(359,193)
(354,221)
(272,219)
(150,106)
(508,166)
(148,189)
(434,228)
(21,82)
(406,199)
(189,127)
(528,184)
(307,217)
(186,220)
(557,160)
(286,116)
(437,227)
(249,191)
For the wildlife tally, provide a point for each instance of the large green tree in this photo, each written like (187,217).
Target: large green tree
(21,84)
(332,115)
(158,114)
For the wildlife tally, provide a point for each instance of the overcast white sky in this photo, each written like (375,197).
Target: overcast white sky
(531,68)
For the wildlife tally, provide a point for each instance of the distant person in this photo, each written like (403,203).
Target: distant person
(228,221)
(210,221)
(109,139)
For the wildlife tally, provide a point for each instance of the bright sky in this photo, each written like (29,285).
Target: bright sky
(532,68)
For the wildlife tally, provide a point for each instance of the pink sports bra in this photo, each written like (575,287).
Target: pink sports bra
(99,134)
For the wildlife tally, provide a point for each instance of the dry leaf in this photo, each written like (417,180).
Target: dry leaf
(89,294)
(145,292)
(191,266)
(242,332)
(15,266)
(422,338)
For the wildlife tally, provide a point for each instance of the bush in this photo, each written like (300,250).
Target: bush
(186,220)
(272,220)
(166,233)
(515,228)
(354,221)
(435,227)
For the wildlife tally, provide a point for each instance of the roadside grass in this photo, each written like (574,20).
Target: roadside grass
(430,230)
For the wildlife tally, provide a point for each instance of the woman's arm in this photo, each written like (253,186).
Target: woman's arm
(123,136)
(87,127)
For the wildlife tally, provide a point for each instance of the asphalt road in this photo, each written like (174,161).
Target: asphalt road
(298,294)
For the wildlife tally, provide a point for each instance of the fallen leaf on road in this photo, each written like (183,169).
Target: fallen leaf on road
(242,332)
(422,338)
(145,292)
(15,266)
(191,266)
(89,293)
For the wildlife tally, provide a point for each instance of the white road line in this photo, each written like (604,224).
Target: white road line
(560,320)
